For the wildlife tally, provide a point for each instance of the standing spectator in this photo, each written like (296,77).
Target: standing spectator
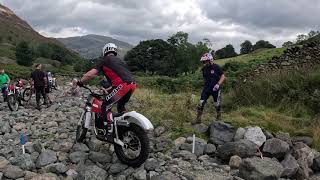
(213,78)
(39,82)
(4,81)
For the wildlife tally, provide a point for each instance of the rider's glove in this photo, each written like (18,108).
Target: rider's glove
(80,84)
(216,87)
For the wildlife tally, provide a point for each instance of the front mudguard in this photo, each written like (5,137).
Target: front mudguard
(138,119)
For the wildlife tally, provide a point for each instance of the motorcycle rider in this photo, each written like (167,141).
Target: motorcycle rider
(121,79)
(213,79)
(4,81)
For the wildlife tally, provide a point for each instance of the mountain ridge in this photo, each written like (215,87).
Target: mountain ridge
(89,46)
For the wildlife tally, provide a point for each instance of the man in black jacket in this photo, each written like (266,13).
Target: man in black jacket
(39,82)
(213,78)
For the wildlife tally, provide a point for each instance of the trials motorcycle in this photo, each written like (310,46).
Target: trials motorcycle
(127,131)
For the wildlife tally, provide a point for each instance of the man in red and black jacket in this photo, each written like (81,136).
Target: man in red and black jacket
(118,74)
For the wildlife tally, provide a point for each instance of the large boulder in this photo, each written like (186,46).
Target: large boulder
(260,169)
(242,148)
(316,164)
(100,157)
(13,172)
(276,148)
(255,135)
(304,155)
(46,157)
(78,156)
(24,161)
(93,172)
(239,134)
(290,166)
(221,132)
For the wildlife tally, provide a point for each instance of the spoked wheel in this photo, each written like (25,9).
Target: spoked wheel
(81,130)
(13,104)
(26,94)
(136,145)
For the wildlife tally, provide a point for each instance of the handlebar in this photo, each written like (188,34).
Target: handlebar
(91,92)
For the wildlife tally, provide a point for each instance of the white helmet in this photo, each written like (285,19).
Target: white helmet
(207,57)
(109,47)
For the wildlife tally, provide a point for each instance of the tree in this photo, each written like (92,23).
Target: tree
(301,37)
(153,56)
(178,39)
(24,54)
(226,52)
(312,33)
(246,47)
(263,44)
(287,44)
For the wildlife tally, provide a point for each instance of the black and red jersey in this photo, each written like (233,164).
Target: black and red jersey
(115,70)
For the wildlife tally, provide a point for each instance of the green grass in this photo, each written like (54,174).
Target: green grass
(261,55)
(7,50)
(46,61)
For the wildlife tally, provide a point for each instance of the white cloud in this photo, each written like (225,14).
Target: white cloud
(222,21)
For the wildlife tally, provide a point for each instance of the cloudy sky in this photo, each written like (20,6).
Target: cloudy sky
(221,21)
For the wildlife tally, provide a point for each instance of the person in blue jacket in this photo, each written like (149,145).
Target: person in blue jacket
(213,79)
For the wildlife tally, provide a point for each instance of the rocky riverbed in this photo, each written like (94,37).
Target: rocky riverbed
(229,153)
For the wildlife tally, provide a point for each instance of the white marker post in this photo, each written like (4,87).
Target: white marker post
(22,143)
(193,142)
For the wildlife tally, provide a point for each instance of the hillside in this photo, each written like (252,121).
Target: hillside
(48,51)
(90,46)
(259,55)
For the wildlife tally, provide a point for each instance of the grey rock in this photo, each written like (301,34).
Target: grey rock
(117,168)
(29,147)
(4,127)
(284,137)
(121,177)
(78,156)
(260,169)
(276,148)
(13,172)
(209,149)
(235,162)
(93,172)
(197,140)
(94,144)
(24,161)
(185,155)
(221,133)
(141,174)
(242,148)
(80,147)
(37,147)
(255,135)
(100,157)
(200,128)
(239,134)
(307,140)
(3,162)
(46,176)
(165,176)
(179,141)
(267,134)
(151,164)
(72,173)
(57,168)
(1,175)
(158,131)
(316,164)
(290,166)
(304,156)
(46,157)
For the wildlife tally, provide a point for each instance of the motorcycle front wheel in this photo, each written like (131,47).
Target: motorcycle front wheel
(81,130)
(136,145)
(12,102)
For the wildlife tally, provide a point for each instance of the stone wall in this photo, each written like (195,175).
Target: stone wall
(299,58)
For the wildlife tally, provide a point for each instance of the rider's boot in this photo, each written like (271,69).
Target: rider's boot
(198,119)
